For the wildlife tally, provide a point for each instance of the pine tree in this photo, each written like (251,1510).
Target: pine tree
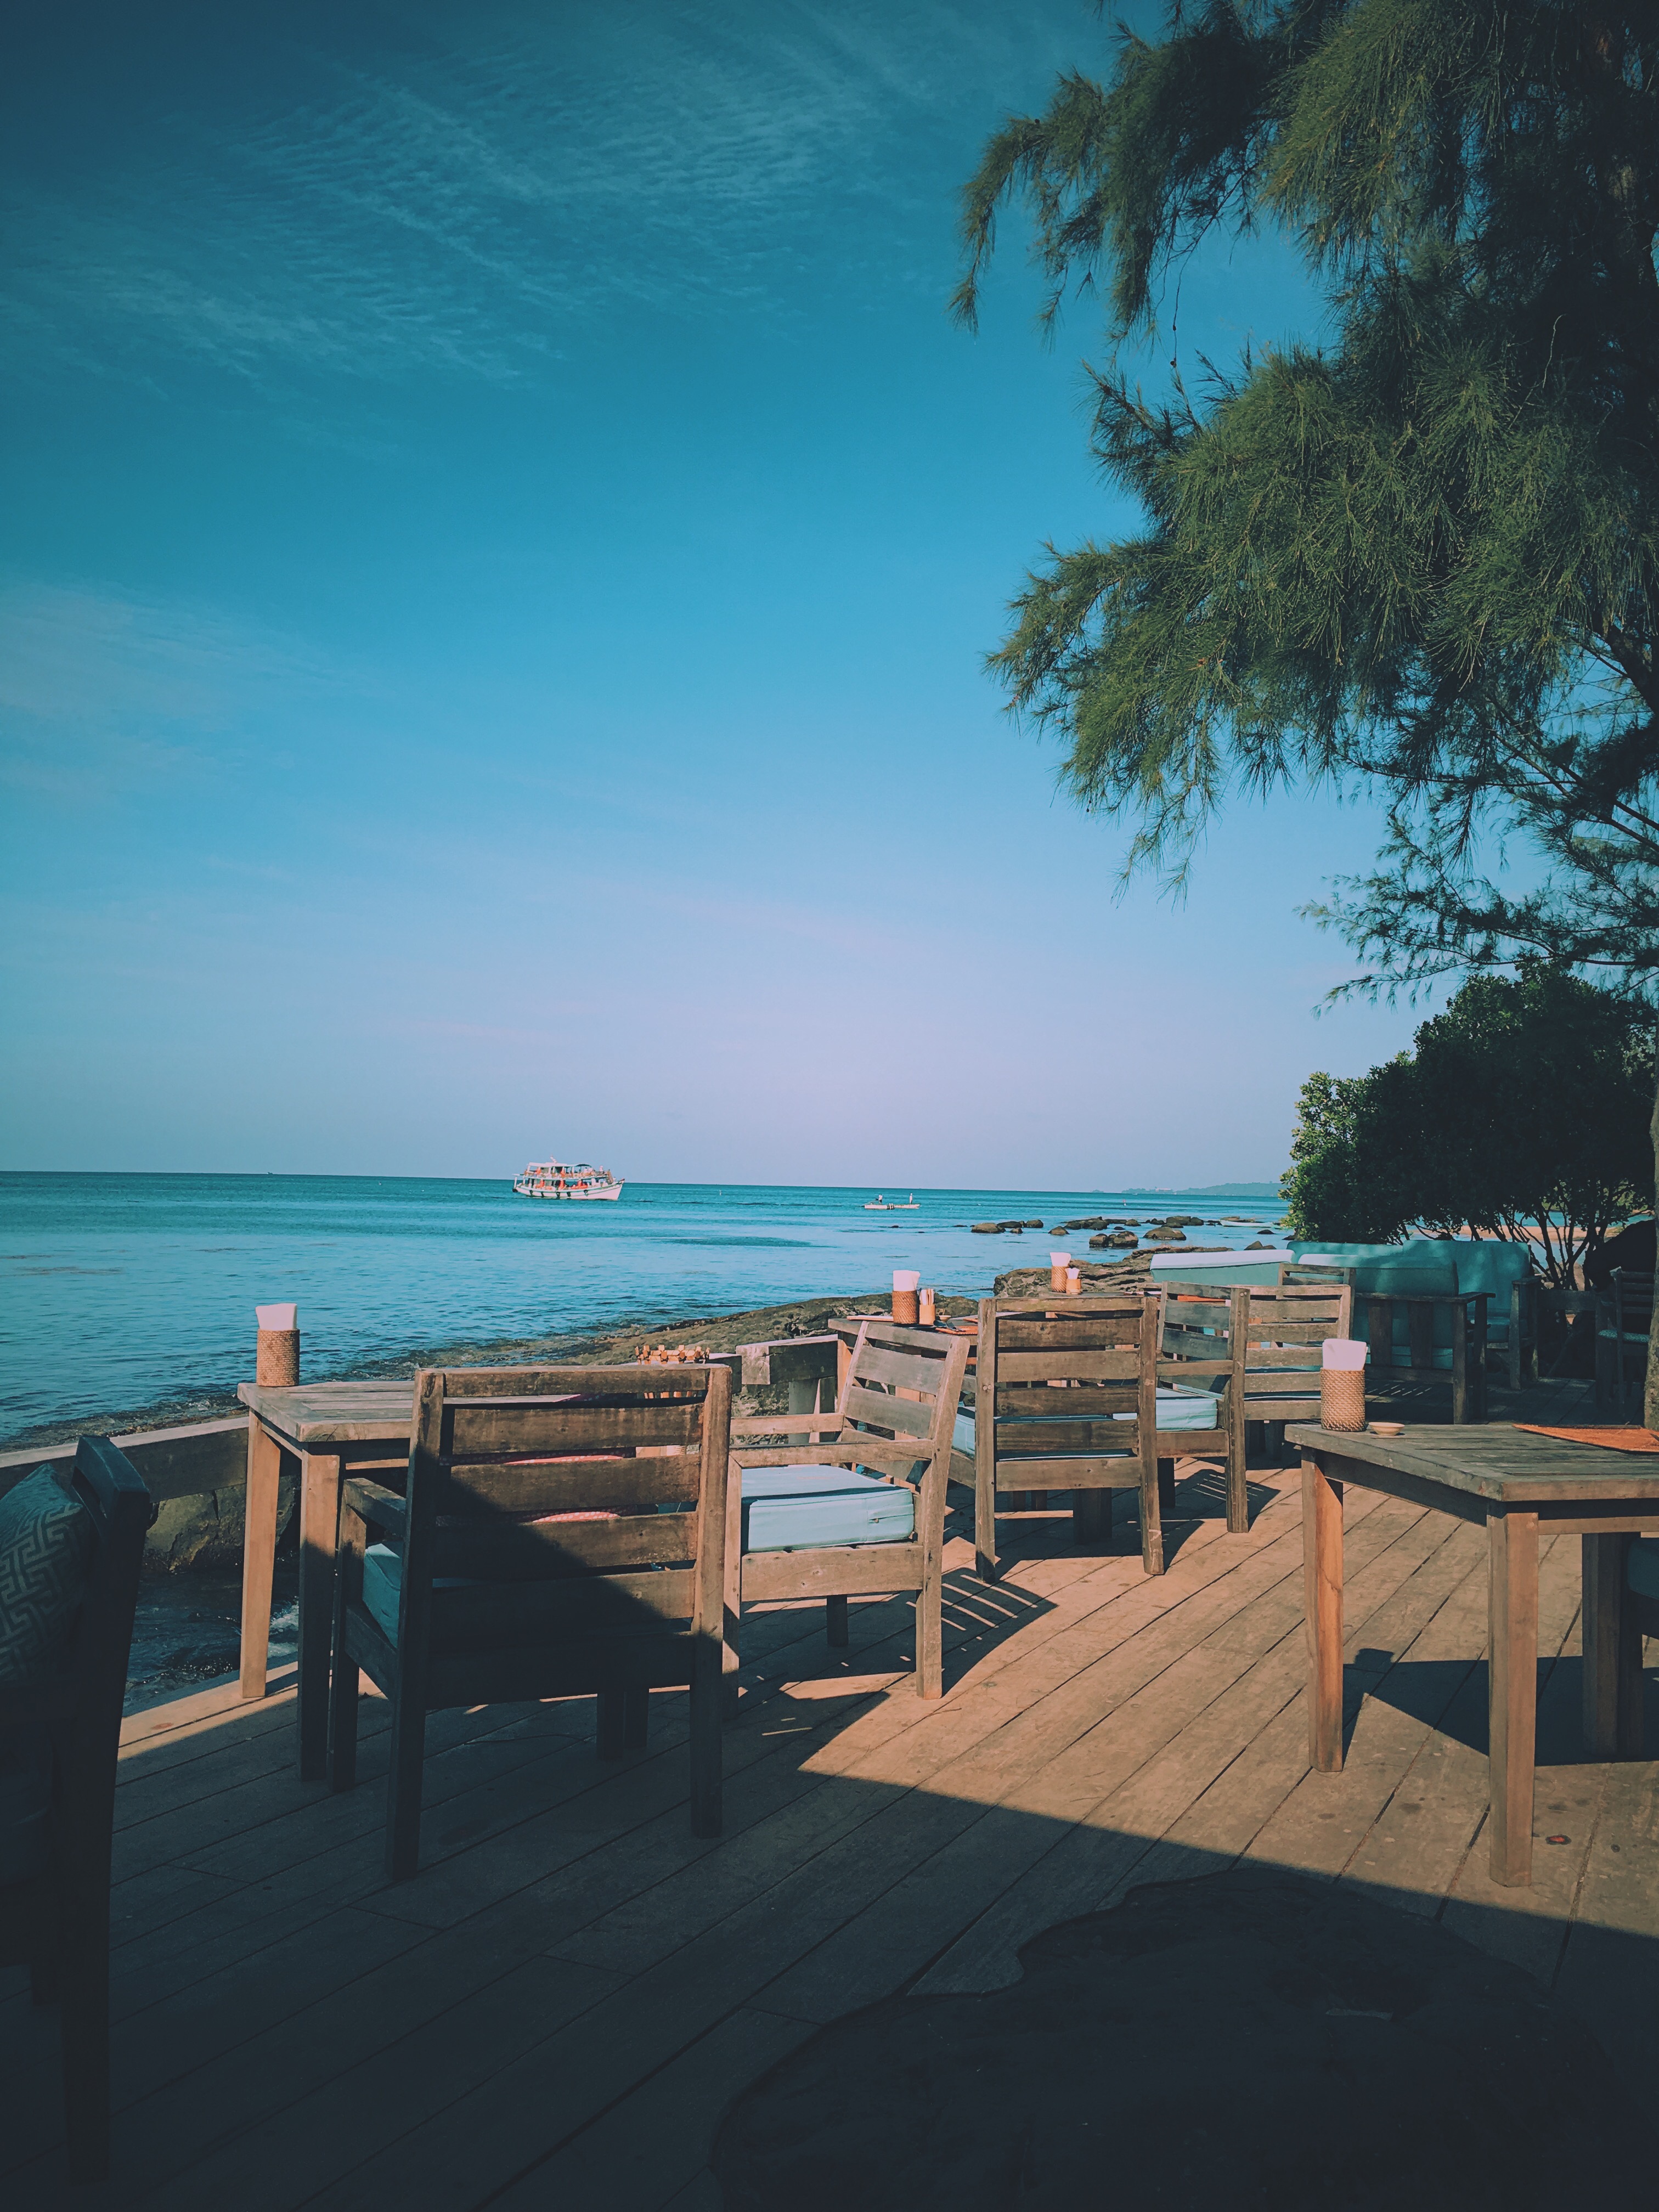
(1416,555)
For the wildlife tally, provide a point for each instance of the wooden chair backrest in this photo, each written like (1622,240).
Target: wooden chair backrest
(590,1500)
(904,1384)
(1282,1332)
(1196,1326)
(1080,1362)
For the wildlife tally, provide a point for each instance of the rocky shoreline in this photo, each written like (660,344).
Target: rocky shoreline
(719,1332)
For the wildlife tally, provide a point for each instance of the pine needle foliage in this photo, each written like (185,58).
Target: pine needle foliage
(1418,557)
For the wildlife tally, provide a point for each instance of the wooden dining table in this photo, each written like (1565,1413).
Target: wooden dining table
(1521,1485)
(329,1430)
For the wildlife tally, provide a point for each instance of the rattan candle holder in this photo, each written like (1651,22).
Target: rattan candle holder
(276,1356)
(1342,1399)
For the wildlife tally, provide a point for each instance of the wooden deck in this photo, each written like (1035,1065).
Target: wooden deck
(556,2010)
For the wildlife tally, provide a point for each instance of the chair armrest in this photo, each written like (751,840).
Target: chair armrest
(372,1502)
(903,1452)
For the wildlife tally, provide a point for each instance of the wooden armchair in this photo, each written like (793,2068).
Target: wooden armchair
(565,1532)
(1067,1399)
(858,1507)
(60,1731)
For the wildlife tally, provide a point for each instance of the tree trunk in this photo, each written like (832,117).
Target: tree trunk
(1650,1391)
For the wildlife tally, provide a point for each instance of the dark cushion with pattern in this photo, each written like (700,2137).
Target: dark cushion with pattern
(47,1543)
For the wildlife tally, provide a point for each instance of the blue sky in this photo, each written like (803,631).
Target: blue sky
(500,537)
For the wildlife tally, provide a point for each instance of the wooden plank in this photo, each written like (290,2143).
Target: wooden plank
(528,1550)
(1482,1467)
(1025,1438)
(263,1461)
(1023,1400)
(902,1370)
(175,1463)
(1321,1538)
(1120,1471)
(1127,1307)
(581,1486)
(904,1414)
(494,1617)
(472,1429)
(1068,1334)
(332,1413)
(1512,1665)
(841,1568)
(1115,1365)
(629,1381)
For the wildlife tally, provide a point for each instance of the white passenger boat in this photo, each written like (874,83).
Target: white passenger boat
(567,1179)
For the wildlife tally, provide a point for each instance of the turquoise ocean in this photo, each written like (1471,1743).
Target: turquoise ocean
(132,1296)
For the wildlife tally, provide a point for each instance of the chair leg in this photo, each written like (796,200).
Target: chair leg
(1152,1522)
(344,1685)
(1166,1487)
(985,1530)
(705,1743)
(636,1716)
(1091,1516)
(402,1824)
(612,1720)
(343,1693)
(930,1638)
(834,1622)
(1239,1486)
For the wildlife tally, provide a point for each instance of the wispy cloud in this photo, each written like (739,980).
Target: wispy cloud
(100,691)
(471,202)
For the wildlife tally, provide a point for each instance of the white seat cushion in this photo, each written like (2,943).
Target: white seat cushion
(787,1509)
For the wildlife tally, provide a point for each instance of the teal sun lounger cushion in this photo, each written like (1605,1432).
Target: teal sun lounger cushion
(787,1509)
(383,1582)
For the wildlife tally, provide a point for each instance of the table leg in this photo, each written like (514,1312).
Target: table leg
(1321,1579)
(319,1523)
(264,1469)
(1460,1352)
(1512,1676)
(1602,1577)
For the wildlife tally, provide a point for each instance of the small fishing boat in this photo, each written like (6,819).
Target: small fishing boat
(880,1204)
(567,1179)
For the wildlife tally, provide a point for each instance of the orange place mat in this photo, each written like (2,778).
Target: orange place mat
(1623,1440)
